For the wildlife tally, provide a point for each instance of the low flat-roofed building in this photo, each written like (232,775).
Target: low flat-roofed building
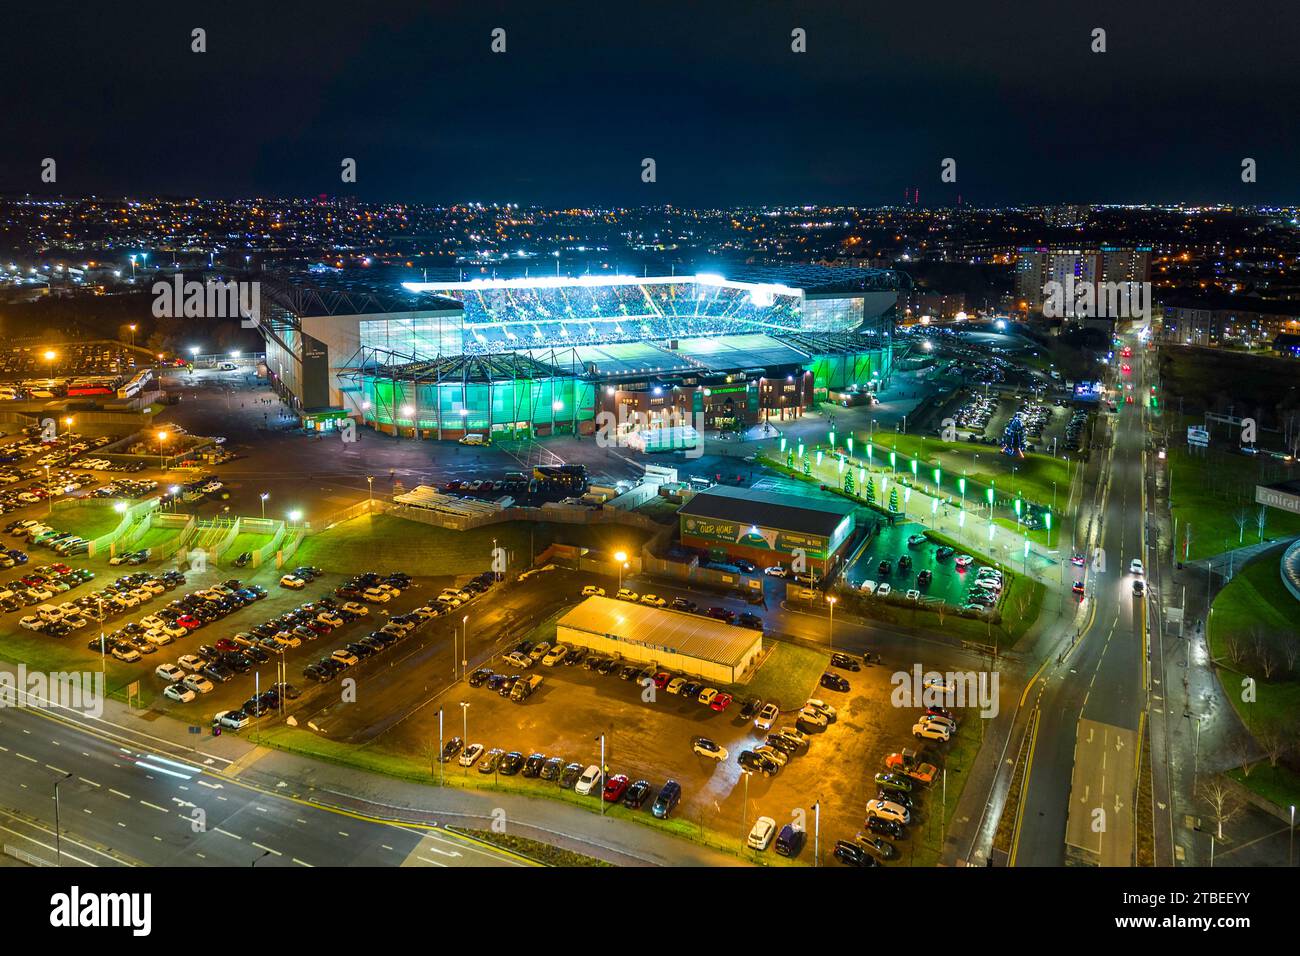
(676,641)
(769,527)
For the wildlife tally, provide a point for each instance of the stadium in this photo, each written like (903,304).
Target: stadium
(532,357)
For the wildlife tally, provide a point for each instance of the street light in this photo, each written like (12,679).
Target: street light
(620,558)
(830,626)
(370,482)
(263,496)
(464,723)
(58,848)
(162,455)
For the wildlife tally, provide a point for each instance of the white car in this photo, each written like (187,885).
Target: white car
(888,810)
(471,754)
(333,620)
(231,719)
(810,715)
(1135,567)
(126,654)
(377,596)
(589,780)
(767,717)
(627,594)
(31,622)
(360,610)
(556,654)
(928,731)
(822,707)
(169,672)
(884,589)
(157,638)
(760,836)
(776,571)
(868,587)
(179,692)
(913,594)
(964,561)
(191,662)
(447,598)
(293,584)
(592,591)
(939,684)
(653,600)
(707,748)
(197,683)
(287,639)
(515,659)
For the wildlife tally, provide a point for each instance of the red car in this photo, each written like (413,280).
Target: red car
(60,568)
(615,787)
(188,621)
(226,644)
(662,678)
(1078,588)
(720,703)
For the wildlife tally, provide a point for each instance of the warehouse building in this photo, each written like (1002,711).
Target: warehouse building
(768,527)
(676,641)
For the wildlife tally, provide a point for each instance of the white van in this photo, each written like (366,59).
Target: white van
(474,438)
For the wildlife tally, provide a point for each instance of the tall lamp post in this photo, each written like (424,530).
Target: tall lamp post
(370,481)
(58,846)
(162,453)
(464,723)
(263,496)
(830,626)
(621,558)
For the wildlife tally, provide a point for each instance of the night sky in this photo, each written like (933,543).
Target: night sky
(710,90)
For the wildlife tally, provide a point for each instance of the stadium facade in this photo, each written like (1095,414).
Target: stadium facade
(529,357)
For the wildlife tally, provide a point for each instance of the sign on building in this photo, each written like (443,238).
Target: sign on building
(1197,436)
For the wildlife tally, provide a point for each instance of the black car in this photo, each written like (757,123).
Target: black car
(746,566)
(681,604)
(256,654)
(923,578)
(885,568)
(507,685)
(757,763)
(360,650)
(751,620)
(691,690)
(510,763)
(637,794)
(606,666)
(885,827)
(844,662)
(576,655)
(850,854)
(749,707)
(628,671)
(317,673)
(552,769)
(218,673)
(451,748)
(287,691)
(834,682)
(570,775)
(533,765)
(593,662)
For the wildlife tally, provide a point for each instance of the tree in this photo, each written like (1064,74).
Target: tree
(807,466)
(848,482)
(789,459)
(1241,517)
(893,499)
(1261,519)
(870,493)
(1222,802)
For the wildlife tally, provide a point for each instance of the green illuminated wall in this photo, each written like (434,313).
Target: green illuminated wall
(487,407)
(842,371)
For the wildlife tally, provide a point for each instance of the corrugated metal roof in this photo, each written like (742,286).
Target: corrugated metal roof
(771,509)
(690,634)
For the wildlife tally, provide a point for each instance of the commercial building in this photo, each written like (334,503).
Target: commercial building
(768,527)
(1213,320)
(1075,268)
(676,641)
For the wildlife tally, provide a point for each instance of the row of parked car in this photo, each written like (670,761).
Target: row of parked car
(591,780)
(898,792)
(55,451)
(56,485)
(34,532)
(44,584)
(103,464)
(725,615)
(178,619)
(126,488)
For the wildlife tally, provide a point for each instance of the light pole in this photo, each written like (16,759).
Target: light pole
(744,809)
(464,724)
(132,328)
(464,646)
(162,454)
(621,558)
(440,745)
(830,625)
(1290,853)
(58,847)
(370,481)
(602,775)
(263,496)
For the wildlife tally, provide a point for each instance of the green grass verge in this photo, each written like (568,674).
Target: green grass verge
(1278,785)
(426,550)
(247,541)
(542,853)
(1211,490)
(788,676)
(1254,611)
(90,520)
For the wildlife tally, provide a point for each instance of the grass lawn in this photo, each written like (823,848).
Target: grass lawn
(159,538)
(1212,489)
(89,520)
(1255,604)
(248,541)
(1031,476)
(426,550)
(788,676)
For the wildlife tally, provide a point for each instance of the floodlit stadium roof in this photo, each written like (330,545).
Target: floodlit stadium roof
(692,635)
(771,509)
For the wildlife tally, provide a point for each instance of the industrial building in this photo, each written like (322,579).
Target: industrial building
(768,527)
(529,357)
(676,641)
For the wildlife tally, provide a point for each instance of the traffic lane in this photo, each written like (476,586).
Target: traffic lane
(162,811)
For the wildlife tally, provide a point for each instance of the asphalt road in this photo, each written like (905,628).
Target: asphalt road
(123,804)
(1079,795)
